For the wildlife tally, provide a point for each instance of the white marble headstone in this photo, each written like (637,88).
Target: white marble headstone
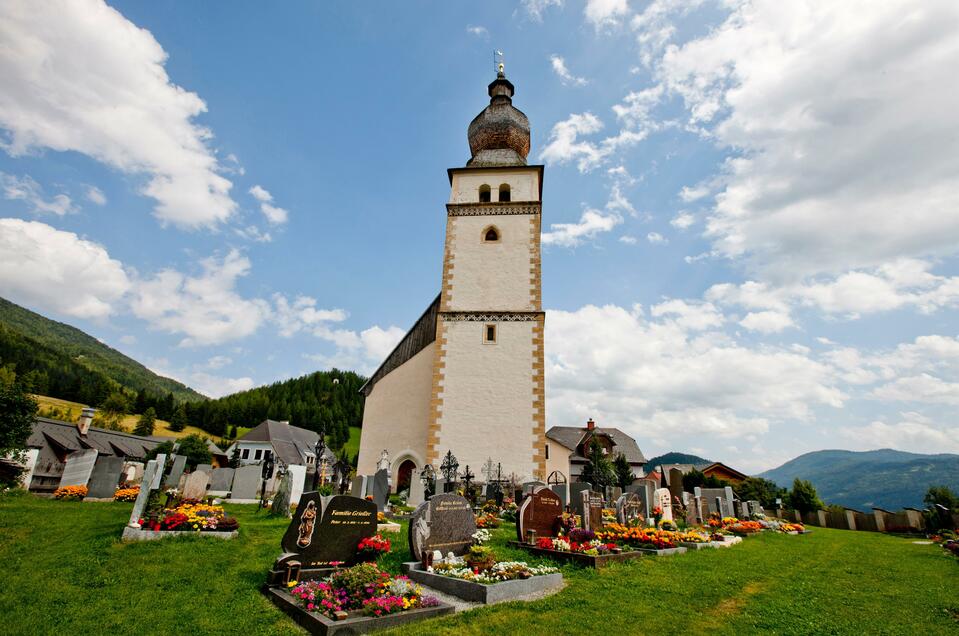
(663,499)
(79,466)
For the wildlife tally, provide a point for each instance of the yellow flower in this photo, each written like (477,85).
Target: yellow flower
(291,584)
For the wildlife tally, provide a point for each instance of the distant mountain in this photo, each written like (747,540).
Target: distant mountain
(884,478)
(677,458)
(61,361)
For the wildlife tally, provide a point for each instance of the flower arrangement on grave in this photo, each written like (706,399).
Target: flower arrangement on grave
(372,547)
(487,521)
(692,536)
(498,572)
(609,515)
(593,547)
(70,493)
(362,589)
(645,538)
(490,507)
(190,516)
(480,558)
(792,527)
(568,522)
(126,494)
(381,517)
(666,524)
(745,527)
(657,514)
(481,536)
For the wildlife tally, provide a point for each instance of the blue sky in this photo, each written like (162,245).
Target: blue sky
(751,211)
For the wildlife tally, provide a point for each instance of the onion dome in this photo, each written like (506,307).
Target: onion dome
(499,136)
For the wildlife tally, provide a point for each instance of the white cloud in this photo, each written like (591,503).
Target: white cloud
(920,388)
(363,351)
(536,8)
(683,220)
(605,13)
(690,316)
(273,214)
(95,195)
(688,194)
(656,238)
(913,433)
(828,114)
(78,76)
(128,339)
(216,386)
(302,314)
(629,240)
(218,362)
(766,321)
(54,271)
(253,233)
(26,189)
(205,308)
(591,223)
(478,31)
(559,67)
(564,146)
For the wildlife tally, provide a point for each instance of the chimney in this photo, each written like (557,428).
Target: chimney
(590,424)
(86,418)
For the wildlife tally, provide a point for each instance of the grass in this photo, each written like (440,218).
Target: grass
(352,445)
(66,572)
(70,411)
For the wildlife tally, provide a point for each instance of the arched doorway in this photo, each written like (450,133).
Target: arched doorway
(404,474)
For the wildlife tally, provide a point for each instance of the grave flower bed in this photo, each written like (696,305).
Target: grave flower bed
(488,520)
(362,590)
(745,527)
(497,573)
(191,516)
(792,527)
(126,494)
(372,547)
(640,538)
(70,493)
(593,547)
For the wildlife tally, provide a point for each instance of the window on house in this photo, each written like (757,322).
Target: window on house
(490,235)
(267,454)
(245,453)
(489,334)
(484,193)
(504,192)
(547,451)
(309,459)
(258,454)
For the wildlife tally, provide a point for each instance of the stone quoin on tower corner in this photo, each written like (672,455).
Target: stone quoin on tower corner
(468,376)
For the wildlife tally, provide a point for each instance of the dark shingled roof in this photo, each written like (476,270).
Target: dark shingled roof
(571,436)
(66,436)
(416,339)
(290,443)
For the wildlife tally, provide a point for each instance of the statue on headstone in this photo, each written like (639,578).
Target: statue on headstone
(307,523)
(384,463)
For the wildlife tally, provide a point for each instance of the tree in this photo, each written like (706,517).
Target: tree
(943,496)
(195,449)
(18,412)
(623,471)
(178,422)
(233,432)
(146,422)
(696,478)
(113,410)
(803,496)
(762,490)
(599,470)
(235,457)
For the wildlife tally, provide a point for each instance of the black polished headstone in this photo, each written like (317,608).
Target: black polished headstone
(321,536)
(445,523)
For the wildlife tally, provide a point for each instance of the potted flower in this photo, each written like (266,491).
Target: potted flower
(480,558)
(657,514)
(372,547)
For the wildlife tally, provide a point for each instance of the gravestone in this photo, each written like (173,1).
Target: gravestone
(692,512)
(195,486)
(221,480)
(615,493)
(246,482)
(725,495)
(440,486)
(645,488)
(417,492)
(530,486)
(576,490)
(628,508)
(105,477)
(561,491)
(132,472)
(154,467)
(78,467)
(325,534)
(297,475)
(702,507)
(445,523)
(206,468)
(676,483)
(381,489)
(539,513)
(179,464)
(281,500)
(663,499)
(592,507)
(358,488)
(738,509)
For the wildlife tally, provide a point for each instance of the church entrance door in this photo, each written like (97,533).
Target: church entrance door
(404,474)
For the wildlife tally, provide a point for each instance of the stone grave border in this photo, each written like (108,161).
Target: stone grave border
(136,534)
(486,593)
(316,623)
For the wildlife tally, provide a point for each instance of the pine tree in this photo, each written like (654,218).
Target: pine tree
(803,497)
(599,470)
(17,413)
(624,472)
(146,423)
(179,421)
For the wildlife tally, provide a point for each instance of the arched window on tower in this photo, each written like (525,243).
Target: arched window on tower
(484,193)
(504,192)
(491,235)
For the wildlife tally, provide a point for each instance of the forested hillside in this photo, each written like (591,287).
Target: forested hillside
(55,359)
(328,399)
(675,458)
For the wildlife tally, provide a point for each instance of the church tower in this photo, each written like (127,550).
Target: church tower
(488,387)
(468,376)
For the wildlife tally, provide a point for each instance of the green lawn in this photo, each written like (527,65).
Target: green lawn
(352,446)
(66,572)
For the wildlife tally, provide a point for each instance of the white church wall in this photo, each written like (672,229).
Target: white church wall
(491,276)
(396,413)
(488,397)
(523,183)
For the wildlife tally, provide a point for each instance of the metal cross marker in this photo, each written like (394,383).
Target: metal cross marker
(449,467)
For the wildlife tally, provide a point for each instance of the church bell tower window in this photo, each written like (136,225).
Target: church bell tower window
(484,194)
(489,334)
(504,192)
(490,235)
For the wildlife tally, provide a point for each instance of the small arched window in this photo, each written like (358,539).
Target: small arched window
(484,193)
(490,235)
(504,192)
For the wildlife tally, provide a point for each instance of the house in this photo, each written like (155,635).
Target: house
(287,445)
(51,441)
(567,449)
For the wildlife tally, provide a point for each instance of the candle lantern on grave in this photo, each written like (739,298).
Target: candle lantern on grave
(449,467)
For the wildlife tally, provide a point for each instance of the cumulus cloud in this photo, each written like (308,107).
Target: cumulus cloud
(628,240)
(591,223)
(767,321)
(54,271)
(215,386)
(559,67)
(302,313)
(683,220)
(605,13)
(913,432)
(362,351)
(95,195)
(273,214)
(536,8)
(78,76)
(26,189)
(656,238)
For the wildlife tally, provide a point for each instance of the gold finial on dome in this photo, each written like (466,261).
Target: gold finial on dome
(499,63)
